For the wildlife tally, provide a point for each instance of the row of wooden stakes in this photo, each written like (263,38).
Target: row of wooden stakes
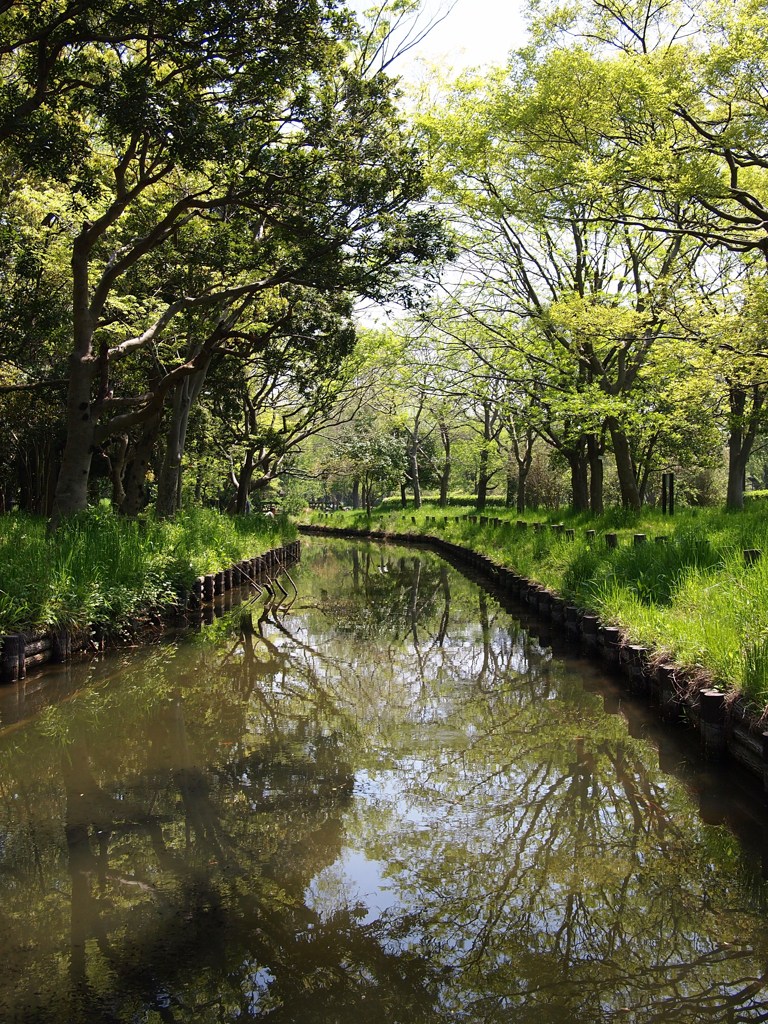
(20,652)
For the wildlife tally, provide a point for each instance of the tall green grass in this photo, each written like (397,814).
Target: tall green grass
(101,568)
(692,597)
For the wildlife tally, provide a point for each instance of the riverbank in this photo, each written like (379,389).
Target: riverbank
(103,570)
(681,586)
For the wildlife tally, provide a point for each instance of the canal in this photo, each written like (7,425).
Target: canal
(394,801)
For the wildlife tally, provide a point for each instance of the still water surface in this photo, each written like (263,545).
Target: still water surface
(392,804)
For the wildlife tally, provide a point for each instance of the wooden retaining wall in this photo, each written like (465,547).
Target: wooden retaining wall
(20,652)
(726,727)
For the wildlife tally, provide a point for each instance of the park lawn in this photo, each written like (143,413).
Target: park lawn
(693,598)
(103,569)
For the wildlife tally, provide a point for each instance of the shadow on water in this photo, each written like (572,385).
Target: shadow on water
(394,800)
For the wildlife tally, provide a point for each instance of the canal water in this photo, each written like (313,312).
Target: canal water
(392,803)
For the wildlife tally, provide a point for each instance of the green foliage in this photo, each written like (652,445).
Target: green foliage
(101,568)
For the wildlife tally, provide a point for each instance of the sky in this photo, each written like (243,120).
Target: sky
(475,33)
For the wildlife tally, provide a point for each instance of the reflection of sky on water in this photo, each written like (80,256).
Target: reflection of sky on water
(352,884)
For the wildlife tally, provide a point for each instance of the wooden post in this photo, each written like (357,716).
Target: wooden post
(612,540)
(669,701)
(712,723)
(610,643)
(752,555)
(557,609)
(61,646)
(572,621)
(12,658)
(640,538)
(590,625)
(590,535)
(570,535)
(764,738)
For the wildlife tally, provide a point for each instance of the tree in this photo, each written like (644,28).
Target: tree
(259,125)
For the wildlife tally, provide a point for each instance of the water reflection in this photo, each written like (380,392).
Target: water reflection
(391,804)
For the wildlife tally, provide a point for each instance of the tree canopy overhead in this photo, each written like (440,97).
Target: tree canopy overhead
(213,153)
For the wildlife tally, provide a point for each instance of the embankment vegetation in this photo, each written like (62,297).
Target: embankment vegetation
(687,591)
(103,569)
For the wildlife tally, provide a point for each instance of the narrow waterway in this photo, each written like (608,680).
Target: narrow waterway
(392,803)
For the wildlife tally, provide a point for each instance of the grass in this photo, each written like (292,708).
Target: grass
(101,568)
(692,597)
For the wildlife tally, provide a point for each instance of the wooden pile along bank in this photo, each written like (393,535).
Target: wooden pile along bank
(20,652)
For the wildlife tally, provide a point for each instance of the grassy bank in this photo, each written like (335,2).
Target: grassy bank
(100,568)
(692,597)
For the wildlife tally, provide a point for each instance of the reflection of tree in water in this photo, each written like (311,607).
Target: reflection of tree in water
(188,875)
(160,837)
(557,881)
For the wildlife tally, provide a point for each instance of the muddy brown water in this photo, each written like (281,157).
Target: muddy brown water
(396,802)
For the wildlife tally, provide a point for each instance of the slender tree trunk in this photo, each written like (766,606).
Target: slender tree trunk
(594,454)
(630,493)
(244,482)
(743,431)
(482,481)
(356,493)
(135,479)
(523,469)
(413,468)
(445,476)
(511,494)
(576,456)
(117,470)
(645,469)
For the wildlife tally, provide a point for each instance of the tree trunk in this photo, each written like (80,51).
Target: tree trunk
(72,485)
(356,493)
(413,467)
(482,481)
(135,479)
(169,481)
(445,476)
(117,470)
(594,454)
(523,469)
(737,465)
(743,431)
(577,462)
(244,482)
(511,486)
(645,469)
(630,493)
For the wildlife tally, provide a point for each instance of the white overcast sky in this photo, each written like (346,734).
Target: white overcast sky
(474,33)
